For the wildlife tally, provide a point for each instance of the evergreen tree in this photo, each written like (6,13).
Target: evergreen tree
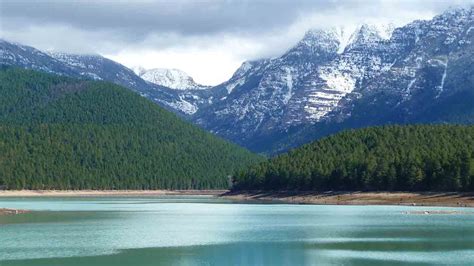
(411,158)
(63,133)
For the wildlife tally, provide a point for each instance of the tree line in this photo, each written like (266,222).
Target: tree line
(389,158)
(63,133)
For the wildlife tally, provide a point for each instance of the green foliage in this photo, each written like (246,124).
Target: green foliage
(410,158)
(62,133)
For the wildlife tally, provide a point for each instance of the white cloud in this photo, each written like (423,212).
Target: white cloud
(206,66)
(209,60)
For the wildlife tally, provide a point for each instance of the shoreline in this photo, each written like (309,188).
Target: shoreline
(107,193)
(433,199)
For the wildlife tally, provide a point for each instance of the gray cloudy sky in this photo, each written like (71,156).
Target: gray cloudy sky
(208,39)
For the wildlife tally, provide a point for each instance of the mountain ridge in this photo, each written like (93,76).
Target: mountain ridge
(330,90)
(328,81)
(172,78)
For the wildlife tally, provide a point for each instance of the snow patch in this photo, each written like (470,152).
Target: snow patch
(344,35)
(324,100)
(385,31)
(443,78)
(171,78)
(289,85)
(339,82)
(367,34)
(234,84)
(408,89)
(184,106)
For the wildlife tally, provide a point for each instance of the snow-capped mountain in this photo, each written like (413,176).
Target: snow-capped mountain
(189,95)
(300,87)
(99,68)
(332,80)
(171,78)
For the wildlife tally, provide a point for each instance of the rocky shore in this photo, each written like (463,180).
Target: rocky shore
(4,211)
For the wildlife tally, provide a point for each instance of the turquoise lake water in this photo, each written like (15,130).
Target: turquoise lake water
(208,231)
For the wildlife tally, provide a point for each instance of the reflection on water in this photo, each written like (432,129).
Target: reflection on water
(207,231)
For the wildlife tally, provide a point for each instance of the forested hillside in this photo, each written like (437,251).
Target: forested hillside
(63,133)
(414,158)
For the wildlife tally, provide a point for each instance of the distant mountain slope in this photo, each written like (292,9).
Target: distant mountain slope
(99,68)
(189,95)
(63,133)
(28,57)
(171,78)
(328,82)
(402,158)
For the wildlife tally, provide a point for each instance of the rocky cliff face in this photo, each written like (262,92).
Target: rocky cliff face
(329,81)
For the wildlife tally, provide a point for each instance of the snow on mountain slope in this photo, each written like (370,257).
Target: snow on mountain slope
(28,57)
(183,102)
(330,74)
(189,96)
(171,78)
(300,87)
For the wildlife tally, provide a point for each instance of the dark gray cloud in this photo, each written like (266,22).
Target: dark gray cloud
(141,18)
(144,17)
(134,21)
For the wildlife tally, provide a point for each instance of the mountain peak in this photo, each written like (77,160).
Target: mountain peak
(348,36)
(314,42)
(246,66)
(319,37)
(171,78)
(457,15)
(366,34)
(458,11)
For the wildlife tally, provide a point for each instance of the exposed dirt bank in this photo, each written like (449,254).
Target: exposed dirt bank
(451,199)
(448,199)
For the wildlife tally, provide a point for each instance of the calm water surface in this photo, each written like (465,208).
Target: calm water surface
(208,231)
